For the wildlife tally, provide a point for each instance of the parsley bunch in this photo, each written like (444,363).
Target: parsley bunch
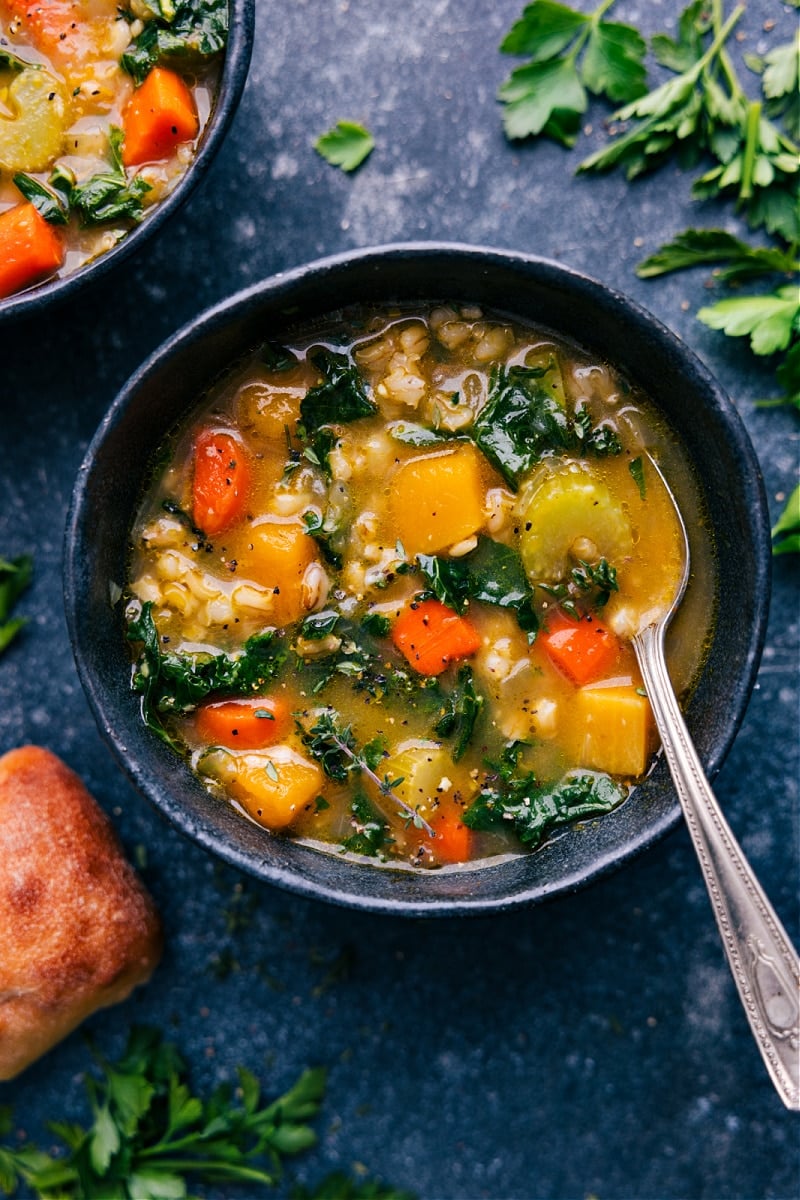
(150,1135)
(745,150)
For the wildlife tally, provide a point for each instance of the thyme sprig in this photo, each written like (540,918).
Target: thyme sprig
(336,750)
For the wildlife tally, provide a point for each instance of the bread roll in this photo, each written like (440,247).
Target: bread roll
(78,931)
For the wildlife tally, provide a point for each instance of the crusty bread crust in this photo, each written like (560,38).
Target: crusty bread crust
(78,931)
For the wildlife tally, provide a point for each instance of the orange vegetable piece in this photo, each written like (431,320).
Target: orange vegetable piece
(60,28)
(160,114)
(30,249)
(221,480)
(583,649)
(453,841)
(431,636)
(246,724)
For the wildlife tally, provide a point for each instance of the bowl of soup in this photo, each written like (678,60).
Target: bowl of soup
(354,561)
(109,116)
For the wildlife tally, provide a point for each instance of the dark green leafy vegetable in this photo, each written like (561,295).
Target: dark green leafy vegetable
(340,398)
(15,577)
(150,1135)
(462,707)
(109,195)
(47,202)
(492,573)
(411,434)
(177,683)
(636,468)
(370,832)
(326,533)
(568,51)
(277,358)
(318,625)
(346,145)
(12,62)
(508,797)
(520,421)
(192,30)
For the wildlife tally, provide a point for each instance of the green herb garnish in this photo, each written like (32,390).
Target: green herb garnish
(15,577)
(150,1134)
(346,145)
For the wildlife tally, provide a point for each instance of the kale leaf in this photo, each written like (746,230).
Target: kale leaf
(192,30)
(370,831)
(460,712)
(340,398)
(492,573)
(533,811)
(520,422)
(177,683)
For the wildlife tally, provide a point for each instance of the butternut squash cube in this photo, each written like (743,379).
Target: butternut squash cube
(613,729)
(437,500)
(276,553)
(272,786)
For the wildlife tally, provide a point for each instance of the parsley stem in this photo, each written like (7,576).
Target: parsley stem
(751,141)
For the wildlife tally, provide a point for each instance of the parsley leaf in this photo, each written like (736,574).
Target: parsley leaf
(346,145)
(15,577)
(150,1134)
(547,95)
(770,321)
(697,247)
(786,530)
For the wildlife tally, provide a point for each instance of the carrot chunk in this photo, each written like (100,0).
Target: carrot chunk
(431,635)
(249,724)
(453,840)
(30,249)
(583,649)
(221,480)
(159,116)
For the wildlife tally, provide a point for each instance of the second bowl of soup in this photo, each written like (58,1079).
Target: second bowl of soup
(359,604)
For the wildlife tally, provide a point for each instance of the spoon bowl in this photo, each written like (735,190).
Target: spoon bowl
(763,961)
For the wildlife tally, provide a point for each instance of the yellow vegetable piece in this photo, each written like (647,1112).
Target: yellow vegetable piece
(273,786)
(568,514)
(276,554)
(32,138)
(428,775)
(613,729)
(437,500)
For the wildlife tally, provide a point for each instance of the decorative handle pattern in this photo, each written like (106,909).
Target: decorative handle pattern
(764,963)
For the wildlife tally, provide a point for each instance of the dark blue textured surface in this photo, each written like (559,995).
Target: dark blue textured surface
(590,1047)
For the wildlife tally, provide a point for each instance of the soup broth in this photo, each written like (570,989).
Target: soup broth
(384,578)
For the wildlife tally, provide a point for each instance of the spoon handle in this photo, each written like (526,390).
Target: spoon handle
(763,961)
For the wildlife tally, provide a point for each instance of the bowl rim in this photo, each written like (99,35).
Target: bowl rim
(271,288)
(236,64)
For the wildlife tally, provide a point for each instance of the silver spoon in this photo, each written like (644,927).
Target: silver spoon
(764,963)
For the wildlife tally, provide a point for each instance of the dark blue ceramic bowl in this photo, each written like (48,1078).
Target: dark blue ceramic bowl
(603,322)
(231,86)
